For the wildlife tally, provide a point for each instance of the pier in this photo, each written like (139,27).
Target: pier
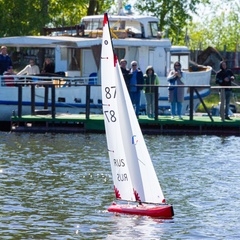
(48,120)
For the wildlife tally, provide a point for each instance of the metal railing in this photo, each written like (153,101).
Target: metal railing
(59,81)
(52,85)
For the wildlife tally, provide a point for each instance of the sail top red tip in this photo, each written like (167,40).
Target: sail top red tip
(105,19)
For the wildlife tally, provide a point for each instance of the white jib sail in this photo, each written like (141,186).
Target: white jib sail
(134,176)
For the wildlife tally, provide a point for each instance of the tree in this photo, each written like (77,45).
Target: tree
(98,6)
(173,15)
(219,29)
(28,17)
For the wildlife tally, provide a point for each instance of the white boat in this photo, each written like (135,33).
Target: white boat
(136,38)
(134,177)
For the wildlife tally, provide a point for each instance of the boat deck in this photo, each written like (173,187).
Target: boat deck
(78,123)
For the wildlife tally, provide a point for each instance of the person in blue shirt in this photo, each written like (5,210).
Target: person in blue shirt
(135,91)
(5,60)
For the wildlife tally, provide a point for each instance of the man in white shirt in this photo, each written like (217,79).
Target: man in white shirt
(30,69)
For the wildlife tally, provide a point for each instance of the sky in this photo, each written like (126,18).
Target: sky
(224,5)
(209,10)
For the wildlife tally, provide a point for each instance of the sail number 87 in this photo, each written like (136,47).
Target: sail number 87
(110,93)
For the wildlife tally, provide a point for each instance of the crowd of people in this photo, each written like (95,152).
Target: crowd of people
(134,76)
(136,81)
(147,82)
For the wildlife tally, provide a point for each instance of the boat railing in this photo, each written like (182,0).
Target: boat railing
(76,30)
(59,81)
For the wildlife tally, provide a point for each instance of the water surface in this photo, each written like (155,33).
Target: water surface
(58,186)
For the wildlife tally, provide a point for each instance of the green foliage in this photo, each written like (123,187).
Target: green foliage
(220,29)
(28,17)
(173,15)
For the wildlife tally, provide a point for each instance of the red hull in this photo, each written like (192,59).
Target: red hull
(162,211)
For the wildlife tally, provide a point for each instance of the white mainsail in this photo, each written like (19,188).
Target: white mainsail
(134,176)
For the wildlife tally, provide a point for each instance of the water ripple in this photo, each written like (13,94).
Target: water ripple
(56,186)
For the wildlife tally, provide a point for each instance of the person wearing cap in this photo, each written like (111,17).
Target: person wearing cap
(5,60)
(150,78)
(135,91)
(30,69)
(125,71)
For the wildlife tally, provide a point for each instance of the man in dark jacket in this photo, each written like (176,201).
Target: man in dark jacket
(135,91)
(225,77)
(125,71)
(5,60)
(48,66)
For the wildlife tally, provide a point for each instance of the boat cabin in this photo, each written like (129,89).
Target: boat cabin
(122,26)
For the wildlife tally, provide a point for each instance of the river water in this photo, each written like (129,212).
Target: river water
(58,186)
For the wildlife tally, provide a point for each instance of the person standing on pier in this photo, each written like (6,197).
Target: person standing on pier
(150,78)
(176,94)
(225,77)
(135,91)
(125,72)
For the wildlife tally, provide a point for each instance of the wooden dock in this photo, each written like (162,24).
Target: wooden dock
(47,120)
(78,123)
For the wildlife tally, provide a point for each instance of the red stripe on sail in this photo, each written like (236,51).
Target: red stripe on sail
(117,193)
(105,19)
(115,60)
(137,197)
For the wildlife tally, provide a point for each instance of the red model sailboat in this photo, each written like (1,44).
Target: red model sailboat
(134,177)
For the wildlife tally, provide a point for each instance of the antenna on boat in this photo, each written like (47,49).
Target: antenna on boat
(127,8)
(120,8)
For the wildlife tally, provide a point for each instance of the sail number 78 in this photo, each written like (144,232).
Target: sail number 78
(110,116)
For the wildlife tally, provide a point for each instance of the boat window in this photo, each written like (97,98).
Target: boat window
(130,28)
(21,56)
(183,59)
(120,52)
(92,25)
(74,59)
(134,28)
(152,29)
(117,25)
